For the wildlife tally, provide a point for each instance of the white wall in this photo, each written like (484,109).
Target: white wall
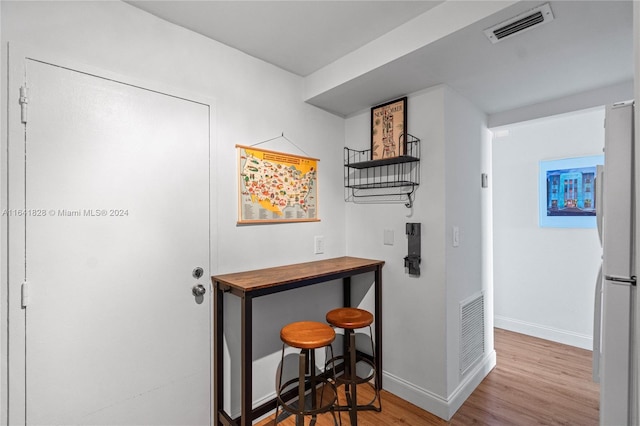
(466,158)
(421,323)
(254,102)
(544,278)
(416,312)
(579,101)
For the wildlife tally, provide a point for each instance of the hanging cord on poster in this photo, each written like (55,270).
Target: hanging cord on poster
(285,138)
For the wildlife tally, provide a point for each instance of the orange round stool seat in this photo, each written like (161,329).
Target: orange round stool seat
(307,335)
(350,318)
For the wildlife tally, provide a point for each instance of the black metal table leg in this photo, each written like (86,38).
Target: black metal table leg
(218,333)
(378,326)
(247,361)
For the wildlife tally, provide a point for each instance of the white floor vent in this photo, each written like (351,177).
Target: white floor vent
(471,331)
(522,22)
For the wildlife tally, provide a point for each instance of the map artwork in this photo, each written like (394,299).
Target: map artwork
(276,187)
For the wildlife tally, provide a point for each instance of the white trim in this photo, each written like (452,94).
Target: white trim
(566,337)
(267,398)
(416,395)
(470,383)
(444,408)
(14,320)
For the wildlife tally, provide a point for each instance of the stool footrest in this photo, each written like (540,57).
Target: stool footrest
(322,408)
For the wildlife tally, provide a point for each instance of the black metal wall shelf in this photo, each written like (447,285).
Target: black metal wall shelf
(386,180)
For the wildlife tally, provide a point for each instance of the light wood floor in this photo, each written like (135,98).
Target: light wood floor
(535,382)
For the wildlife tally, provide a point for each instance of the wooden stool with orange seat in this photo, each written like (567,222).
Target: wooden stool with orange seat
(306,336)
(351,319)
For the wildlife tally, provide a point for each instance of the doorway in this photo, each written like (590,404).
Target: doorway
(544,277)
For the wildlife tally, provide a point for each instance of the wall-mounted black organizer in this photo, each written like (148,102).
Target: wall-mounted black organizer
(387,180)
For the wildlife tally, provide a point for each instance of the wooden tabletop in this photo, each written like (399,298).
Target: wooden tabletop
(262,278)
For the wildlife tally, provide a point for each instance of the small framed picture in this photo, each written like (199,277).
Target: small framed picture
(567,192)
(389,129)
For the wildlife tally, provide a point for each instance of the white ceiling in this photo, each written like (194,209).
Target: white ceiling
(587,46)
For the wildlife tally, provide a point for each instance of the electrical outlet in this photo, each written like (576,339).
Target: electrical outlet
(318,244)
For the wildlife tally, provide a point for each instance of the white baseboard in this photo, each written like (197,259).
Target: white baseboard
(544,332)
(444,408)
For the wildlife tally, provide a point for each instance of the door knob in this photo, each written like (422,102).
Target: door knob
(198,290)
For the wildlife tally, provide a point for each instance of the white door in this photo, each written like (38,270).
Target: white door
(117,219)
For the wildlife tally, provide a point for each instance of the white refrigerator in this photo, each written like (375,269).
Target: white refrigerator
(613,355)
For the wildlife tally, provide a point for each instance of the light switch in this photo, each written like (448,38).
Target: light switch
(456,236)
(484,180)
(318,244)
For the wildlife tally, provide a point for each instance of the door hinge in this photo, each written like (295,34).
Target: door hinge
(24,101)
(26,294)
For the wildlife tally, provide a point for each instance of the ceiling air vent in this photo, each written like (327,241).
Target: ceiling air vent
(525,21)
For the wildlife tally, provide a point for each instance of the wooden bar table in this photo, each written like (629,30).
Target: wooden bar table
(251,284)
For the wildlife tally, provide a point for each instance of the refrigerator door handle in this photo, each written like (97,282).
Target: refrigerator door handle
(597,328)
(626,280)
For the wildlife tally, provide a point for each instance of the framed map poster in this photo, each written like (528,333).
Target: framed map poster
(389,129)
(276,187)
